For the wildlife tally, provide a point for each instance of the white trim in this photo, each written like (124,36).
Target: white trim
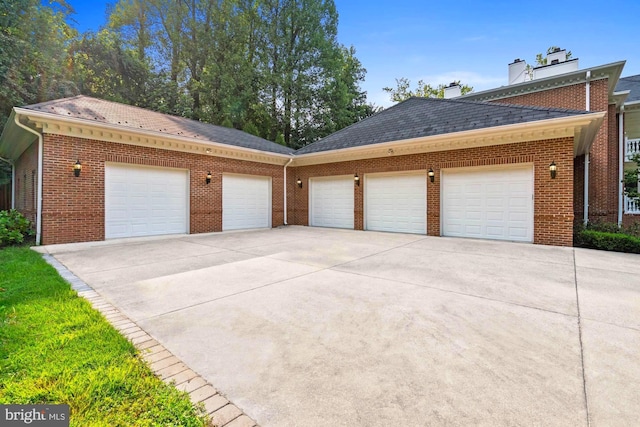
(586,155)
(413,172)
(270,198)
(40,167)
(512,166)
(82,128)
(508,134)
(137,166)
(310,205)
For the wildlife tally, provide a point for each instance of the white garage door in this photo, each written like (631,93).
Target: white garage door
(488,203)
(331,202)
(145,201)
(246,202)
(396,202)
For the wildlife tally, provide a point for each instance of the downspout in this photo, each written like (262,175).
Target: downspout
(586,156)
(621,165)
(285,190)
(39,197)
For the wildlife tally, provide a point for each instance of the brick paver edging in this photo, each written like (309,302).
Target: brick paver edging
(162,362)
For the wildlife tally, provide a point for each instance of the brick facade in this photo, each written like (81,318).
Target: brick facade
(603,162)
(73,207)
(26,175)
(553,199)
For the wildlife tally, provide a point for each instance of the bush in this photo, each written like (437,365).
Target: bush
(14,227)
(618,242)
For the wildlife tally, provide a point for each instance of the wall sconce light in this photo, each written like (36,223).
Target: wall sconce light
(299,182)
(356,179)
(432,175)
(77,168)
(553,169)
(208,179)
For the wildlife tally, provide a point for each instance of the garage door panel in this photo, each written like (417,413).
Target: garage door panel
(396,202)
(246,202)
(331,202)
(493,204)
(141,201)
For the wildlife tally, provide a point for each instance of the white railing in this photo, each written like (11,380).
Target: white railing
(631,206)
(631,147)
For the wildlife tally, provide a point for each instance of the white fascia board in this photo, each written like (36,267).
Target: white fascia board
(507,134)
(82,128)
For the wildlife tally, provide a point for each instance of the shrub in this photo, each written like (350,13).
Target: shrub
(618,242)
(14,227)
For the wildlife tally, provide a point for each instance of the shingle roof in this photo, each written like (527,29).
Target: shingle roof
(631,83)
(98,110)
(420,117)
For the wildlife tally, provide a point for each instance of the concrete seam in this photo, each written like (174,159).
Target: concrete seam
(584,377)
(77,284)
(459,293)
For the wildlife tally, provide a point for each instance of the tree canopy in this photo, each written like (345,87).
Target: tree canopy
(271,67)
(403,90)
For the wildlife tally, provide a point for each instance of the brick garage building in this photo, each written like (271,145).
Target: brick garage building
(476,166)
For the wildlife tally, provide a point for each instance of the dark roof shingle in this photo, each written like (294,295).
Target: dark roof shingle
(98,110)
(631,83)
(421,117)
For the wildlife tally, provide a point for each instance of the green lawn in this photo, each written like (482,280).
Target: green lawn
(54,348)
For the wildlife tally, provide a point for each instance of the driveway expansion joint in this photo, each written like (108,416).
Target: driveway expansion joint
(222,412)
(584,377)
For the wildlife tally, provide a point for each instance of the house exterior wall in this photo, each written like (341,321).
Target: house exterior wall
(26,185)
(603,169)
(74,207)
(553,198)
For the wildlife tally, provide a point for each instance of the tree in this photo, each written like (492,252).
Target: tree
(632,179)
(403,90)
(103,67)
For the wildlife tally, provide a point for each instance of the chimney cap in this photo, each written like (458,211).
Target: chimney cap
(453,84)
(517,60)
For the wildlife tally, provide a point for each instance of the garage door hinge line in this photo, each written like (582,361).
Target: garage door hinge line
(584,378)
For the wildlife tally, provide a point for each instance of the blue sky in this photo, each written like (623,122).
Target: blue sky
(471,41)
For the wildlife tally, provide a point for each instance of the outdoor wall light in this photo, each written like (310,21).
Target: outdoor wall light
(356,179)
(552,170)
(299,182)
(208,178)
(77,168)
(432,175)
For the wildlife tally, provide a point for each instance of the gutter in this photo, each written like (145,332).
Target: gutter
(285,190)
(39,197)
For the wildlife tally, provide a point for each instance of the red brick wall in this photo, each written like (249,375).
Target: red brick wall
(73,208)
(553,204)
(26,185)
(603,176)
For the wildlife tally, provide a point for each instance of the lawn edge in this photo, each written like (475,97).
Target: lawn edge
(163,363)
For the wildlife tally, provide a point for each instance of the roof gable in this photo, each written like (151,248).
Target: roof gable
(140,119)
(424,117)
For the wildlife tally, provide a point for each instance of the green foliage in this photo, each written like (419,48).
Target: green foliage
(13,228)
(54,348)
(280,139)
(227,123)
(632,179)
(618,242)
(403,90)
(542,60)
(251,128)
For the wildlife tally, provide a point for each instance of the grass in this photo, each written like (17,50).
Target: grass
(54,348)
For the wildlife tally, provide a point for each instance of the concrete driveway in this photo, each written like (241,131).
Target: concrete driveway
(314,327)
